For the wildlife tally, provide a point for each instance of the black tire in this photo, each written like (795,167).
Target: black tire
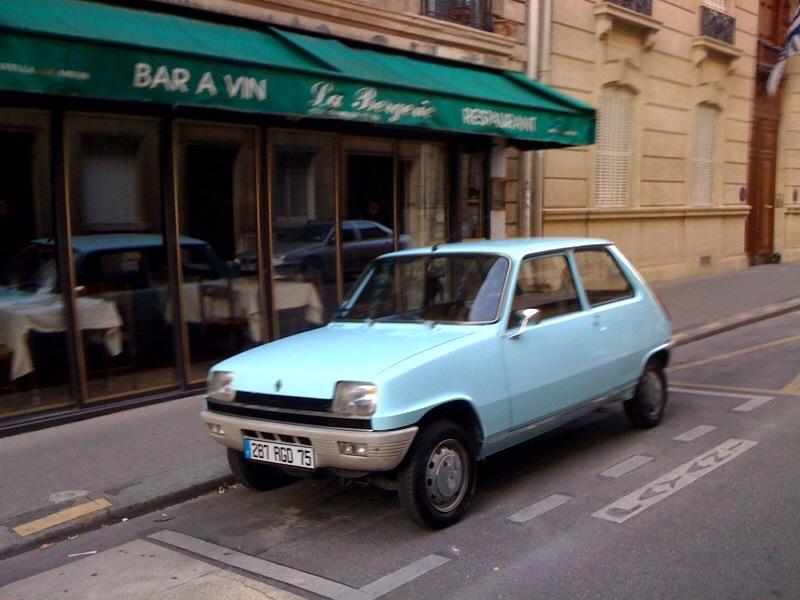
(254,475)
(646,408)
(442,448)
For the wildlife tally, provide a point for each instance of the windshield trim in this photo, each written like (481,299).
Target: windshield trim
(357,287)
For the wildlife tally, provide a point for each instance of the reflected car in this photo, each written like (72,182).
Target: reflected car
(440,357)
(310,249)
(110,261)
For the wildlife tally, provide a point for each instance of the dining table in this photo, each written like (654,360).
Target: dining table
(287,295)
(43,312)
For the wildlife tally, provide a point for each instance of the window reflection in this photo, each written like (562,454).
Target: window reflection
(423,193)
(122,307)
(219,254)
(33,366)
(304,241)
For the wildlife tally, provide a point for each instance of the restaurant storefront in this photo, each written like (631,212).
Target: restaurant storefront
(176,191)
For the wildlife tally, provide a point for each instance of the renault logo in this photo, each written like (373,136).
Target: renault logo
(278,385)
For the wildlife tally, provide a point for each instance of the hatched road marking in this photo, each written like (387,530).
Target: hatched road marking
(666,485)
(301,579)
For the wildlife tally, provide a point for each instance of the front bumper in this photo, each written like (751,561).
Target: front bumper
(385,449)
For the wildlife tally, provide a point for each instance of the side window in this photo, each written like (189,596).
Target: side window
(546,283)
(348,232)
(370,232)
(602,278)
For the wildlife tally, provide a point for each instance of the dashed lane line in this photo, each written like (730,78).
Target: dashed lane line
(539,508)
(693,434)
(753,403)
(301,579)
(634,503)
(626,466)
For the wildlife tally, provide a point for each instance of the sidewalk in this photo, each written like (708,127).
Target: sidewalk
(145,459)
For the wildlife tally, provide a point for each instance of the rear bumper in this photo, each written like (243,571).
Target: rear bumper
(385,449)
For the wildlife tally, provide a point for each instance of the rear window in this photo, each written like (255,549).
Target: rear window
(603,279)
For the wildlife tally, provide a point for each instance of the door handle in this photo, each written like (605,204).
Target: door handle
(768,206)
(596,322)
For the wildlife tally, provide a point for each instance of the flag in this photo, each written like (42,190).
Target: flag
(791,47)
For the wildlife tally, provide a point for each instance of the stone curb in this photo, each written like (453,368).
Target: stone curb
(742,319)
(113,514)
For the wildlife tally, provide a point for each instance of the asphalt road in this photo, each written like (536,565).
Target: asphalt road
(707,505)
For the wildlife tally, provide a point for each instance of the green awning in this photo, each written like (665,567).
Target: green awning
(87,49)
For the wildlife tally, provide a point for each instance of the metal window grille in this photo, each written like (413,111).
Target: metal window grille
(612,176)
(719,5)
(705,133)
(474,13)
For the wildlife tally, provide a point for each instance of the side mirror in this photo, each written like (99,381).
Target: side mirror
(528,318)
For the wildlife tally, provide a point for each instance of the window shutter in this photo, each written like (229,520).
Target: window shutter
(612,176)
(705,135)
(718,5)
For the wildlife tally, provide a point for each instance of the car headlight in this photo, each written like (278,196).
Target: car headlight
(220,386)
(355,398)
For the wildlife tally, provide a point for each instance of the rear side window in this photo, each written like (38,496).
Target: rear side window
(602,278)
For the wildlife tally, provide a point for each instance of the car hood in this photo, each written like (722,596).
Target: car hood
(309,364)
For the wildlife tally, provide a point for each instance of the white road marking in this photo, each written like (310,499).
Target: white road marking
(693,434)
(712,393)
(392,581)
(301,579)
(626,466)
(753,403)
(536,510)
(666,485)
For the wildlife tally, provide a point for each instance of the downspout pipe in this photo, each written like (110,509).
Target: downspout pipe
(531,70)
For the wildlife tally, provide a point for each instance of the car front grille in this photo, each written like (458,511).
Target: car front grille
(290,402)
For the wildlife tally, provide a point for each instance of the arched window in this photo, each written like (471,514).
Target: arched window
(705,135)
(614,128)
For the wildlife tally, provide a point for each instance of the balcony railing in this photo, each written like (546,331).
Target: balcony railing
(644,7)
(717,25)
(473,13)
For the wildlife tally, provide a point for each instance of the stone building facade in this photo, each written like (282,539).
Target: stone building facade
(673,82)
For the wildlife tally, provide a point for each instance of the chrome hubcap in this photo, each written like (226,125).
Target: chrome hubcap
(445,476)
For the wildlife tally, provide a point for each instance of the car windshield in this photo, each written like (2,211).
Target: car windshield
(311,232)
(442,288)
(32,269)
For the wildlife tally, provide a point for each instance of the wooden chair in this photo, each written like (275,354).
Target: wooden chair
(216,298)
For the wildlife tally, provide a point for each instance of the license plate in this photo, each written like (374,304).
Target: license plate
(292,455)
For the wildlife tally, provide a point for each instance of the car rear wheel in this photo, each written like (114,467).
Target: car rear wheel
(437,480)
(646,408)
(255,475)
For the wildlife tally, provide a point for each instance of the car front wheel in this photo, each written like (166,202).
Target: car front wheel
(437,480)
(253,475)
(646,408)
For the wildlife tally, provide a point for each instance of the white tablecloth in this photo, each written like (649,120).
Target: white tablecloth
(45,313)
(288,294)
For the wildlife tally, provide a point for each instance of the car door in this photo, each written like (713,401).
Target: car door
(611,300)
(548,366)
(375,240)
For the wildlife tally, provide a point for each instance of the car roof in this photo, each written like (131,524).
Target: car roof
(85,244)
(515,248)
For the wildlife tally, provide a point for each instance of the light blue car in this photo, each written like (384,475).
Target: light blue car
(443,356)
